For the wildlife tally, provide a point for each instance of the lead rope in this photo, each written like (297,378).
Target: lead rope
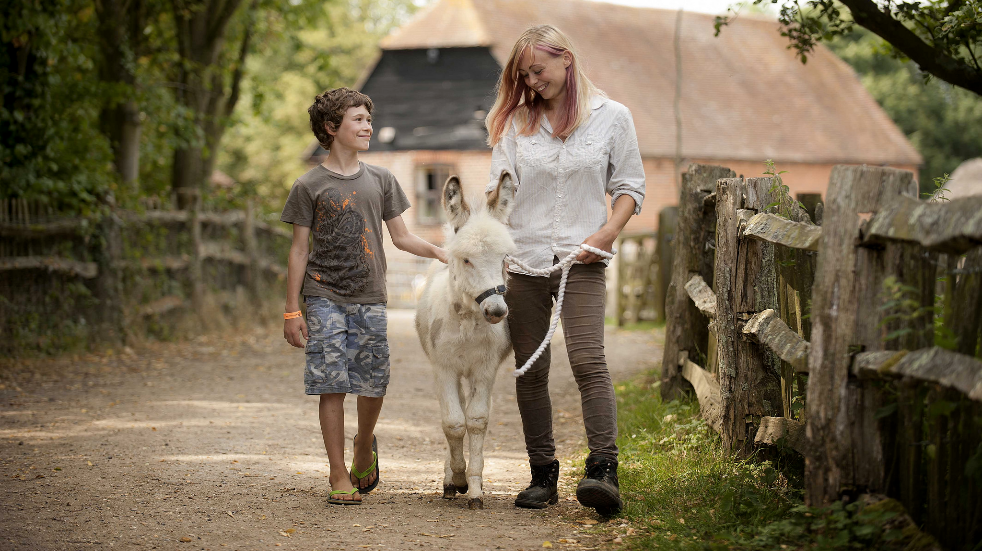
(564,265)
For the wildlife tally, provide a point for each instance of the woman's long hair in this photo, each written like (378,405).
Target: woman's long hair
(515,98)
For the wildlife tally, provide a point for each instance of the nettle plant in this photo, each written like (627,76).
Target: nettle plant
(783,202)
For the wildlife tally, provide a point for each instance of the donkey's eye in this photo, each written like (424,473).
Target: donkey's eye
(467,261)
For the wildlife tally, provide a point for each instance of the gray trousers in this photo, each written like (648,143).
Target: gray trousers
(529,300)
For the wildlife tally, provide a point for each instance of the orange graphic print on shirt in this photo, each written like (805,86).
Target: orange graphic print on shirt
(342,264)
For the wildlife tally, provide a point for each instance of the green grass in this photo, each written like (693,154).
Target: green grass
(682,490)
(680,487)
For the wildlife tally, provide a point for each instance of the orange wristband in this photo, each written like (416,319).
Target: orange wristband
(291,315)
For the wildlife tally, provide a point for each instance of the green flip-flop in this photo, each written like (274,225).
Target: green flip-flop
(373,468)
(338,501)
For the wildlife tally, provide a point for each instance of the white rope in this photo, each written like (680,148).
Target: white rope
(563,265)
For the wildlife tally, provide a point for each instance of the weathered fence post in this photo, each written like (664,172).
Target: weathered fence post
(197,258)
(686,328)
(668,220)
(745,283)
(253,273)
(966,315)
(109,283)
(844,448)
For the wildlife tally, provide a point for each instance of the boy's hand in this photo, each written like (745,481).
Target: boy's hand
(293,329)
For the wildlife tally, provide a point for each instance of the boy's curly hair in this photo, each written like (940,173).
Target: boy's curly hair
(329,108)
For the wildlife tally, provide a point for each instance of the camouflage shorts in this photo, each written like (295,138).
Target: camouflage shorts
(348,351)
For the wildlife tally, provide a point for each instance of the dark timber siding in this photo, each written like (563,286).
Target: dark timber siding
(431,101)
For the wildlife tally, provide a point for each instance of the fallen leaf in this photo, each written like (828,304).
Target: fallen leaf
(547,544)
(89,463)
(567,540)
(39,476)
(229,513)
(588,521)
(681,521)
(618,540)
(185,539)
(284,534)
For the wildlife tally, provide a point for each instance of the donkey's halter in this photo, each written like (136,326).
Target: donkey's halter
(499,290)
(564,265)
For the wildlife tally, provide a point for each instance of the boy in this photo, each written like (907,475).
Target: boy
(343,202)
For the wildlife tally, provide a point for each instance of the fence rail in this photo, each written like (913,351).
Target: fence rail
(846,310)
(110,276)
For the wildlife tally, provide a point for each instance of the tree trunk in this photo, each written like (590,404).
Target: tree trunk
(121,25)
(201,33)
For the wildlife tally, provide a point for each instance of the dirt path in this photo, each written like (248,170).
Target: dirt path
(212,445)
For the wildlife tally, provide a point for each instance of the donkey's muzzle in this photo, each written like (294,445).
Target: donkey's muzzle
(492,304)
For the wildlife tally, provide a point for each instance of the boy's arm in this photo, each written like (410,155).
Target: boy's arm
(404,240)
(294,328)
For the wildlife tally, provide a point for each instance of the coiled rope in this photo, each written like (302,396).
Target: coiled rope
(563,265)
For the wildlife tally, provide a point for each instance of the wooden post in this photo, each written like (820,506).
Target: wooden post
(253,274)
(966,314)
(197,252)
(843,444)
(109,283)
(667,222)
(810,201)
(686,328)
(745,283)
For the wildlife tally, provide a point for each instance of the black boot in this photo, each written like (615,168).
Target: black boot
(599,489)
(542,491)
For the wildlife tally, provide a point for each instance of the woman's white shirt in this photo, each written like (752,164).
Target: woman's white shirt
(562,186)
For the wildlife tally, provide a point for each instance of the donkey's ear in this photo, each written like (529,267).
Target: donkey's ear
(501,201)
(454,204)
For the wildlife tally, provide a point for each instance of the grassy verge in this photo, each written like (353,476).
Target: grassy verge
(683,491)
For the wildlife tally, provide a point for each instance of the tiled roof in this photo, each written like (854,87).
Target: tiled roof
(744,95)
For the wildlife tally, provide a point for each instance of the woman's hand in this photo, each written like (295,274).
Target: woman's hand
(603,240)
(293,329)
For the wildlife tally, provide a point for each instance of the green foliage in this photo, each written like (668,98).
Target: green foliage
(943,122)
(270,128)
(902,307)
(681,485)
(51,149)
(683,491)
(950,31)
(937,194)
(782,191)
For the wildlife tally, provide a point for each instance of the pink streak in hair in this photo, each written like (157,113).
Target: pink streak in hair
(568,113)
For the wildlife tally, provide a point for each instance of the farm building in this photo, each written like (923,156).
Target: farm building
(735,100)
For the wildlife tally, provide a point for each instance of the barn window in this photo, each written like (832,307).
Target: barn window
(429,186)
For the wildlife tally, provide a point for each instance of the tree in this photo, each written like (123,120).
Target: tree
(942,121)
(51,149)
(943,37)
(269,130)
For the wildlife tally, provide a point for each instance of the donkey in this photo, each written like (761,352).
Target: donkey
(458,320)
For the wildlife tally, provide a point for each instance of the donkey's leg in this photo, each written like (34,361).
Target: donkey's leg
(448,390)
(478,410)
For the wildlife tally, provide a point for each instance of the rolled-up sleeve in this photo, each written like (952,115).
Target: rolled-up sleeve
(625,173)
(502,159)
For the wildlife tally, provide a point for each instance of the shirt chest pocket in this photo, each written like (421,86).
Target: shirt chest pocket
(532,151)
(589,153)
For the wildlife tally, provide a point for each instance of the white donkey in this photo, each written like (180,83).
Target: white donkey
(458,322)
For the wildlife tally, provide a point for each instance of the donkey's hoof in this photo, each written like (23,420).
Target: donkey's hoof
(449,491)
(476,503)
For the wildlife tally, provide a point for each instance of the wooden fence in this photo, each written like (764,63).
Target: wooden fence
(67,281)
(841,318)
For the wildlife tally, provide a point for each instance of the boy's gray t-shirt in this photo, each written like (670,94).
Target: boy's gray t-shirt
(345,215)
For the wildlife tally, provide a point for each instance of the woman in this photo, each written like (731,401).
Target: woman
(569,147)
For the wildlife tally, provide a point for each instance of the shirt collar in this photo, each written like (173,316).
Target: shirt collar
(597,101)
